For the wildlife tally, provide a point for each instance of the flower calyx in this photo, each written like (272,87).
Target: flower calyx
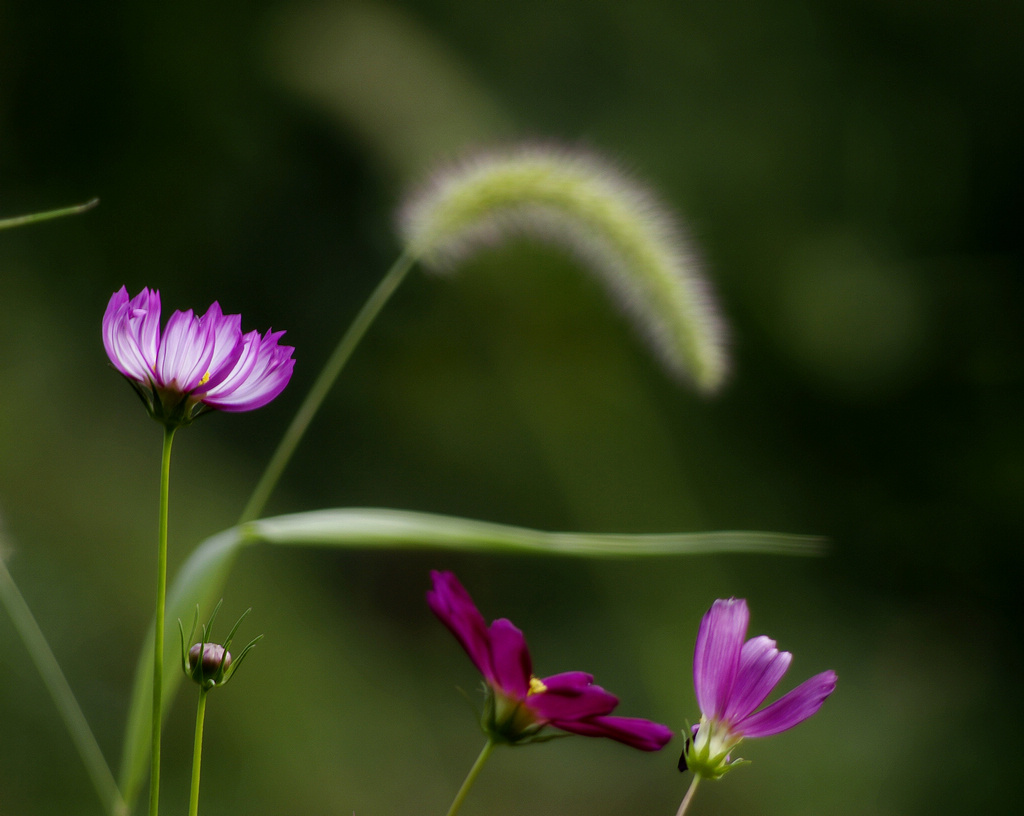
(510,720)
(708,750)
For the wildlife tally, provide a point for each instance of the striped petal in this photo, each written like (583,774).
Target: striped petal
(131,333)
(790,709)
(226,333)
(261,372)
(716,656)
(185,352)
(761,668)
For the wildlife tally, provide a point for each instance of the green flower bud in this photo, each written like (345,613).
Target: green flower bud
(214,661)
(210,664)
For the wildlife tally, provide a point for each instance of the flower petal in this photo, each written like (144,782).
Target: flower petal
(567,682)
(226,331)
(131,333)
(761,668)
(632,731)
(113,326)
(716,656)
(790,709)
(145,317)
(261,373)
(184,355)
(571,696)
(450,601)
(510,659)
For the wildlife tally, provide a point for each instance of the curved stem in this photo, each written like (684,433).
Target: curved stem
(474,772)
(48,668)
(689,796)
(197,753)
(380,296)
(158,631)
(21,220)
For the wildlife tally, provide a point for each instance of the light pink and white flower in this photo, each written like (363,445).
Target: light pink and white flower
(197,364)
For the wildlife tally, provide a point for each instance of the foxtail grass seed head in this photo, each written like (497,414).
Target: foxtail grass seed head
(612,224)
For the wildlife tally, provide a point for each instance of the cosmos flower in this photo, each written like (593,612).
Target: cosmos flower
(732,678)
(200,363)
(519,705)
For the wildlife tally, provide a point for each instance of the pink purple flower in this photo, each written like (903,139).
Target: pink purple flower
(732,678)
(519,705)
(199,363)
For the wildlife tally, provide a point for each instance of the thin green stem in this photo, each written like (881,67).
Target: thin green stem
(158,631)
(380,296)
(21,220)
(474,772)
(197,753)
(689,796)
(50,671)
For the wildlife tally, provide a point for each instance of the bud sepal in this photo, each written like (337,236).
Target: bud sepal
(211,664)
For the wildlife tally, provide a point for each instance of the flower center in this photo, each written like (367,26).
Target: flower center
(204,380)
(536,686)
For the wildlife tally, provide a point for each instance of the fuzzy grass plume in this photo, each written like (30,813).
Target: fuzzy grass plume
(613,225)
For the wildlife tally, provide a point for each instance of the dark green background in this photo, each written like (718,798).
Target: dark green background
(851,172)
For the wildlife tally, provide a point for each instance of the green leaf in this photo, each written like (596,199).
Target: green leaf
(357,527)
(203,576)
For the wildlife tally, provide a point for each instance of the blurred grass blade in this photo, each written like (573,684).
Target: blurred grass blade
(63,697)
(203,576)
(21,220)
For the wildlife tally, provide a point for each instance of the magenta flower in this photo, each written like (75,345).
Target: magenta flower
(732,679)
(199,364)
(519,705)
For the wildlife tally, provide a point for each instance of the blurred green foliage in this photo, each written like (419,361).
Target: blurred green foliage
(851,171)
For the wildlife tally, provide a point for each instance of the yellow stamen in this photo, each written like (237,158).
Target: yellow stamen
(203,381)
(536,686)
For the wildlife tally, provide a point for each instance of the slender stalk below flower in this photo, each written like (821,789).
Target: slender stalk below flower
(380,296)
(63,697)
(158,632)
(474,772)
(689,796)
(197,753)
